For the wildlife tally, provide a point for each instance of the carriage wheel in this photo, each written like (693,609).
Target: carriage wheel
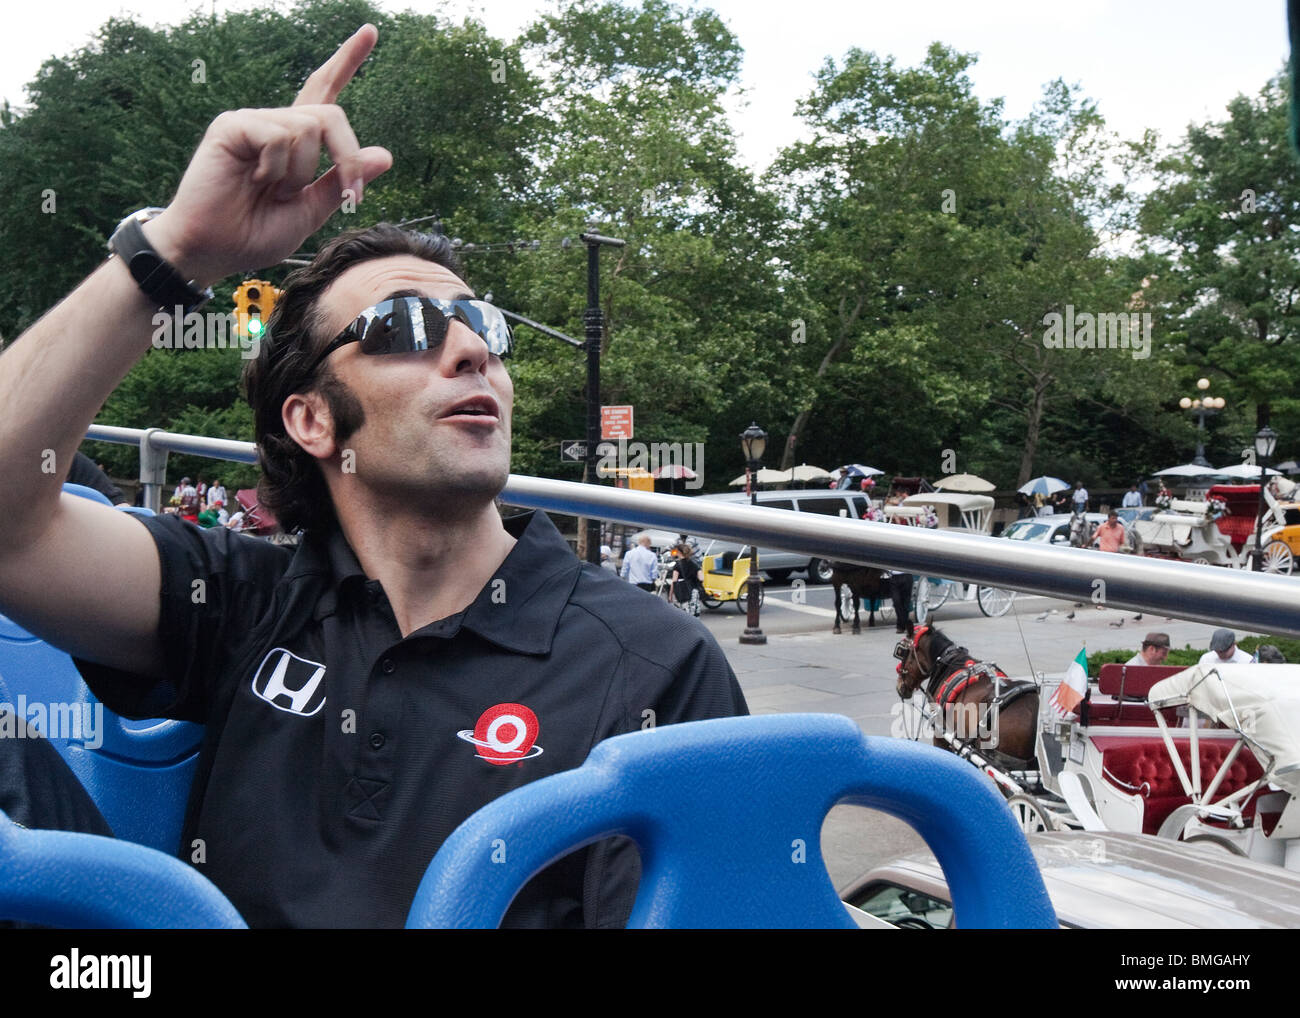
(994,601)
(921,605)
(711,603)
(1278,558)
(742,599)
(1029,814)
(819,570)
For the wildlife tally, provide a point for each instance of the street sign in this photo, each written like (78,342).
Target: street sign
(616,422)
(574,451)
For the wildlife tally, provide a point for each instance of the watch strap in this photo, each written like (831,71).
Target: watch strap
(156,277)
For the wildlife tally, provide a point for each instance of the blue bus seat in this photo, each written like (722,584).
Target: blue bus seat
(82,491)
(727,815)
(140,773)
(57,878)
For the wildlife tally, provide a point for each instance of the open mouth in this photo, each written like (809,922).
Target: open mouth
(483,406)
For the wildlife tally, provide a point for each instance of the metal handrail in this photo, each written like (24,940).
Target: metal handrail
(1211,594)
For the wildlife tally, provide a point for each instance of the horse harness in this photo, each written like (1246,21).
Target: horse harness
(955,670)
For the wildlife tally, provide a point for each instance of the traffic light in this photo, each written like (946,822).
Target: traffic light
(254,301)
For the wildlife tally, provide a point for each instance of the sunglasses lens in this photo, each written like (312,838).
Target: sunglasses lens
(408,324)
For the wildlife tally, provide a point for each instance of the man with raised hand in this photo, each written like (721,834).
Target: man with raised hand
(415,657)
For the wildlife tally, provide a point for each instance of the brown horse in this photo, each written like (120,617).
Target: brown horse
(976,700)
(864,583)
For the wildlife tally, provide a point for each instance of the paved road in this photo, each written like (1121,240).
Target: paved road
(803,667)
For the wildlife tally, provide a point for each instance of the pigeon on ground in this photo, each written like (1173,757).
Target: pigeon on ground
(1115,625)
(1040,618)
(1070,616)
(1137,617)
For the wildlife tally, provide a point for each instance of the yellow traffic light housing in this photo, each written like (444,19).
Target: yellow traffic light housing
(254,301)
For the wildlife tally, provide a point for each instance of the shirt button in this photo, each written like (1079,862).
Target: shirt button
(377,740)
(388,666)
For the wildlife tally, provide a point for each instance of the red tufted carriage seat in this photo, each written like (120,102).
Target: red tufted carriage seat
(1141,766)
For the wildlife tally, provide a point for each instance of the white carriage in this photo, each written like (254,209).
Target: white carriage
(1208,755)
(1220,530)
(965,513)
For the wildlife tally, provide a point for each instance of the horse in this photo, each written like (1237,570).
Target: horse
(1081,531)
(975,699)
(864,583)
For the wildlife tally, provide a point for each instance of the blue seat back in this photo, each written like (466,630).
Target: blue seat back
(727,815)
(57,878)
(138,772)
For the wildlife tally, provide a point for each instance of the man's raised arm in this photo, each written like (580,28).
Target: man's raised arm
(81,575)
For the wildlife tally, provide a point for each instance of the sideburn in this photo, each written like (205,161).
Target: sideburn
(345,408)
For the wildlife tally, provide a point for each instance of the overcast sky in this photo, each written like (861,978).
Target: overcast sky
(1148,63)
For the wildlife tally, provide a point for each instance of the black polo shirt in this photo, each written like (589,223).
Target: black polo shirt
(338,756)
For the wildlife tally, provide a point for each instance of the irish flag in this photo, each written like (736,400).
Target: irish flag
(1070,693)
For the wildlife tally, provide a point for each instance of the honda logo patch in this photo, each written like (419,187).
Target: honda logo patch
(290,683)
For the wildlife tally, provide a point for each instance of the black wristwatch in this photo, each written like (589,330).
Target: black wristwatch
(156,276)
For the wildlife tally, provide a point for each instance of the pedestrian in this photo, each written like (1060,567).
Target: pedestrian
(1110,535)
(641,564)
(466,653)
(1224,651)
(217,493)
(1154,650)
(190,502)
(607,559)
(1132,498)
(1080,497)
(685,578)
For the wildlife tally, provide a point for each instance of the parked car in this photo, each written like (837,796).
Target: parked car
(1055,529)
(776,564)
(1101,880)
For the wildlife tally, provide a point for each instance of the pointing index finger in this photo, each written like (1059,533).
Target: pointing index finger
(327,81)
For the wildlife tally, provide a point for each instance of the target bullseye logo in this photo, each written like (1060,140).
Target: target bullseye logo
(504,734)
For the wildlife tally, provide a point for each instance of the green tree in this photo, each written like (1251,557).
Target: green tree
(1224,216)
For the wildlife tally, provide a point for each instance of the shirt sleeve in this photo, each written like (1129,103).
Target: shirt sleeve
(215,585)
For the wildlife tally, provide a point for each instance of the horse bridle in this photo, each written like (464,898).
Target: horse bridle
(908,645)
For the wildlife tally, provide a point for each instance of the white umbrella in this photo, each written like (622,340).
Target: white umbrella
(1187,470)
(804,472)
(1043,486)
(1244,472)
(764,476)
(963,482)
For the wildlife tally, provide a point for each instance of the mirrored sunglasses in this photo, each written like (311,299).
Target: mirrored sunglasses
(408,324)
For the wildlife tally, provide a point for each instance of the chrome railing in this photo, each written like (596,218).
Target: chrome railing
(1215,595)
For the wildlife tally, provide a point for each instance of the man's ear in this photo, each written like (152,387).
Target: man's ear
(308,421)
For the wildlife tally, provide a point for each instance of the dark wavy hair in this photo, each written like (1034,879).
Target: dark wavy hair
(292,485)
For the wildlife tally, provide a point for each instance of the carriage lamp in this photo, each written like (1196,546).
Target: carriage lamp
(1265,443)
(753,443)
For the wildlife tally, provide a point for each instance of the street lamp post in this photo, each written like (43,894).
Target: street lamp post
(1265,443)
(1203,408)
(753,442)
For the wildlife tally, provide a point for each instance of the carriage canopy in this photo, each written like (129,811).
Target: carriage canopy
(957,510)
(1260,701)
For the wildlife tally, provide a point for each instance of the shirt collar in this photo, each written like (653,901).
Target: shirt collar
(519,608)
